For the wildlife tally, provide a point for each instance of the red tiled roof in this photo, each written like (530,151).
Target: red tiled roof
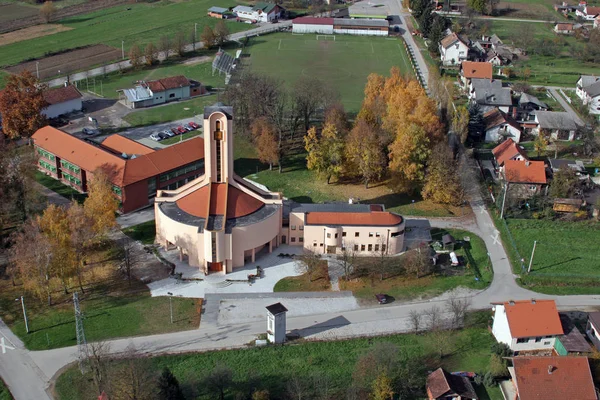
(565,377)
(374,218)
(313,21)
(171,82)
(238,205)
(472,69)
(450,39)
(506,151)
(530,318)
(121,144)
(592,10)
(61,94)
(496,117)
(122,172)
(564,27)
(516,171)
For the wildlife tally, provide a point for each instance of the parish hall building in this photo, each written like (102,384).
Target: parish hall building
(220,221)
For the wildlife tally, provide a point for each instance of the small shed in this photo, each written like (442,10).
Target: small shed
(448,242)
(567,205)
(276,323)
(217,12)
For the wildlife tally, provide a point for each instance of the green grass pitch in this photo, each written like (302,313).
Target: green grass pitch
(344,63)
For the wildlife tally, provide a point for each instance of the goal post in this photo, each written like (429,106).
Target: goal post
(326,37)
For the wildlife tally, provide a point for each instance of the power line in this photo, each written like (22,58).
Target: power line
(81,342)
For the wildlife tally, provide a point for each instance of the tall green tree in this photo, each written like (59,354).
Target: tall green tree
(325,153)
(479,6)
(564,184)
(168,386)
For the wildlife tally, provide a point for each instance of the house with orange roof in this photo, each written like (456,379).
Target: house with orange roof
(136,171)
(527,325)
(220,221)
(475,70)
(508,150)
(549,378)
(160,91)
(525,178)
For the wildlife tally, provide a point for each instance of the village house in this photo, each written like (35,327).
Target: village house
(474,70)
(592,328)
(526,325)
(527,105)
(490,94)
(453,50)
(591,97)
(589,13)
(219,12)
(499,126)
(536,378)
(136,171)
(557,164)
(568,28)
(442,385)
(161,91)
(583,82)
(261,12)
(62,100)
(507,150)
(525,178)
(556,125)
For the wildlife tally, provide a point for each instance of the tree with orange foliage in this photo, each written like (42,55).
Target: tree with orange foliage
(364,153)
(54,224)
(336,115)
(266,142)
(101,205)
(408,156)
(21,104)
(81,237)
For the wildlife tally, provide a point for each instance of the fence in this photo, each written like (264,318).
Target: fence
(413,62)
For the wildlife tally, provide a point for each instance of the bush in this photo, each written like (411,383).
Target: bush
(501,349)
(488,380)
(497,367)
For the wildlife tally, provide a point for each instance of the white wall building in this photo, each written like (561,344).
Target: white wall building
(527,324)
(62,100)
(261,12)
(499,126)
(453,50)
(592,328)
(589,13)
(313,25)
(341,26)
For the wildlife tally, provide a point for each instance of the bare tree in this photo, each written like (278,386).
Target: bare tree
(348,259)
(297,388)
(418,261)
(128,257)
(308,263)
(310,95)
(458,307)
(180,43)
(133,380)
(98,358)
(164,46)
(322,386)
(434,318)
(415,321)
(219,380)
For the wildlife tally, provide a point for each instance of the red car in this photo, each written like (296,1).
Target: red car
(181,129)
(193,125)
(175,131)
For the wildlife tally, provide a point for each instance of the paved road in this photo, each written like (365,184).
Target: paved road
(79,76)
(565,105)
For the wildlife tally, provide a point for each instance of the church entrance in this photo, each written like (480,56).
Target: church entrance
(215,267)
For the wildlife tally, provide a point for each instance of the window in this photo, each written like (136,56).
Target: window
(522,340)
(314,245)
(117,190)
(71,179)
(370,247)
(538,339)
(152,187)
(47,166)
(71,167)
(293,240)
(343,234)
(321,245)
(46,154)
(532,187)
(293,227)
(329,236)
(376,247)
(377,234)
(172,95)
(186,169)
(336,236)
(362,247)
(395,234)
(355,247)
(356,234)
(301,227)
(546,343)
(301,239)
(370,234)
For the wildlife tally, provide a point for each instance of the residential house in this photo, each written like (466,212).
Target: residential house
(490,94)
(592,328)
(589,13)
(526,325)
(558,164)
(559,125)
(261,12)
(536,378)
(508,150)
(444,386)
(592,97)
(136,171)
(474,70)
(583,82)
(161,91)
(527,105)
(563,28)
(498,126)
(218,12)
(62,100)
(525,178)
(453,50)
(597,22)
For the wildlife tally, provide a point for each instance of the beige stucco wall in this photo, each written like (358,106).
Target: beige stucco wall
(181,235)
(252,236)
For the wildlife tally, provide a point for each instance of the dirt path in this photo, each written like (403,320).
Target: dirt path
(31,33)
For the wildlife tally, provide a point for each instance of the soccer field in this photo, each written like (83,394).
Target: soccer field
(345,63)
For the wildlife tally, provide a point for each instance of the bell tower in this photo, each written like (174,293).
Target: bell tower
(218,143)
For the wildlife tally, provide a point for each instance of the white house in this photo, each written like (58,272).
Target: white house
(592,328)
(261,12)
(560,125)
(592,97)
(453,50)
(583,82)
(589,13)
(527,325)
(500,126)
(62,100)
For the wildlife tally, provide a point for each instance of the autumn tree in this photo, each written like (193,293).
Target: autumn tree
(21,103)
(565,183)
(81,236)
(208,37)
(325,153)
(180,43)
(310,95)
(47,10)
(132,379)
(373,107)
(135,56)
(150,54)
(408,157)
(266,141)
(54,225)
(460,123)
(442,183)
(101,205)
(382,388)
(221,32)
(364,153)
(164,46)
(336,115)
(540,144)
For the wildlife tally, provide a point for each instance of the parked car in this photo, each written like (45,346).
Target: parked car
(168,133)
(175,131)
(193,125)
(381,298)
(163,135)
(181,129)
(156,137)
(188,128)
(89,131)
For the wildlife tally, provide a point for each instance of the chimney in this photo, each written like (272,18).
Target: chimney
(512,302)
(550,369)
(66,83)
(527,163)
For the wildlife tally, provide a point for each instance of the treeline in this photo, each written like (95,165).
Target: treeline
(432,25)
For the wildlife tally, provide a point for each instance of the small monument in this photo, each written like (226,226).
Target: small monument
(276,323)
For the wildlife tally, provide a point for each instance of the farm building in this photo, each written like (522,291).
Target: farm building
(62,100)
(341,26)
(218,12)
(136,171)
(161,91)
(221,221)
(261,12)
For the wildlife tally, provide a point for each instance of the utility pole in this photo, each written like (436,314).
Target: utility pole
(504,200)
(171,304)
(123,48)
(24,313)
(81,342)
(37,69)
(532,254)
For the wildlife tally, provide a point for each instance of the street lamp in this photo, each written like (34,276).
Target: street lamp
(171,304)
(37,69)
(24,313)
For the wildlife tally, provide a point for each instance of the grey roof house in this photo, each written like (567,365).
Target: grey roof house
(560,125)
(490,94)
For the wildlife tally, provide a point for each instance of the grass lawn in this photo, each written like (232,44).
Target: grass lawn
(59,187)
(344,63)
(179,138)
(144,232)
(468,350)
(318,283)
(3,78)
(4,393)
(566,256)
(409,287)
(132,23)
(170,112)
